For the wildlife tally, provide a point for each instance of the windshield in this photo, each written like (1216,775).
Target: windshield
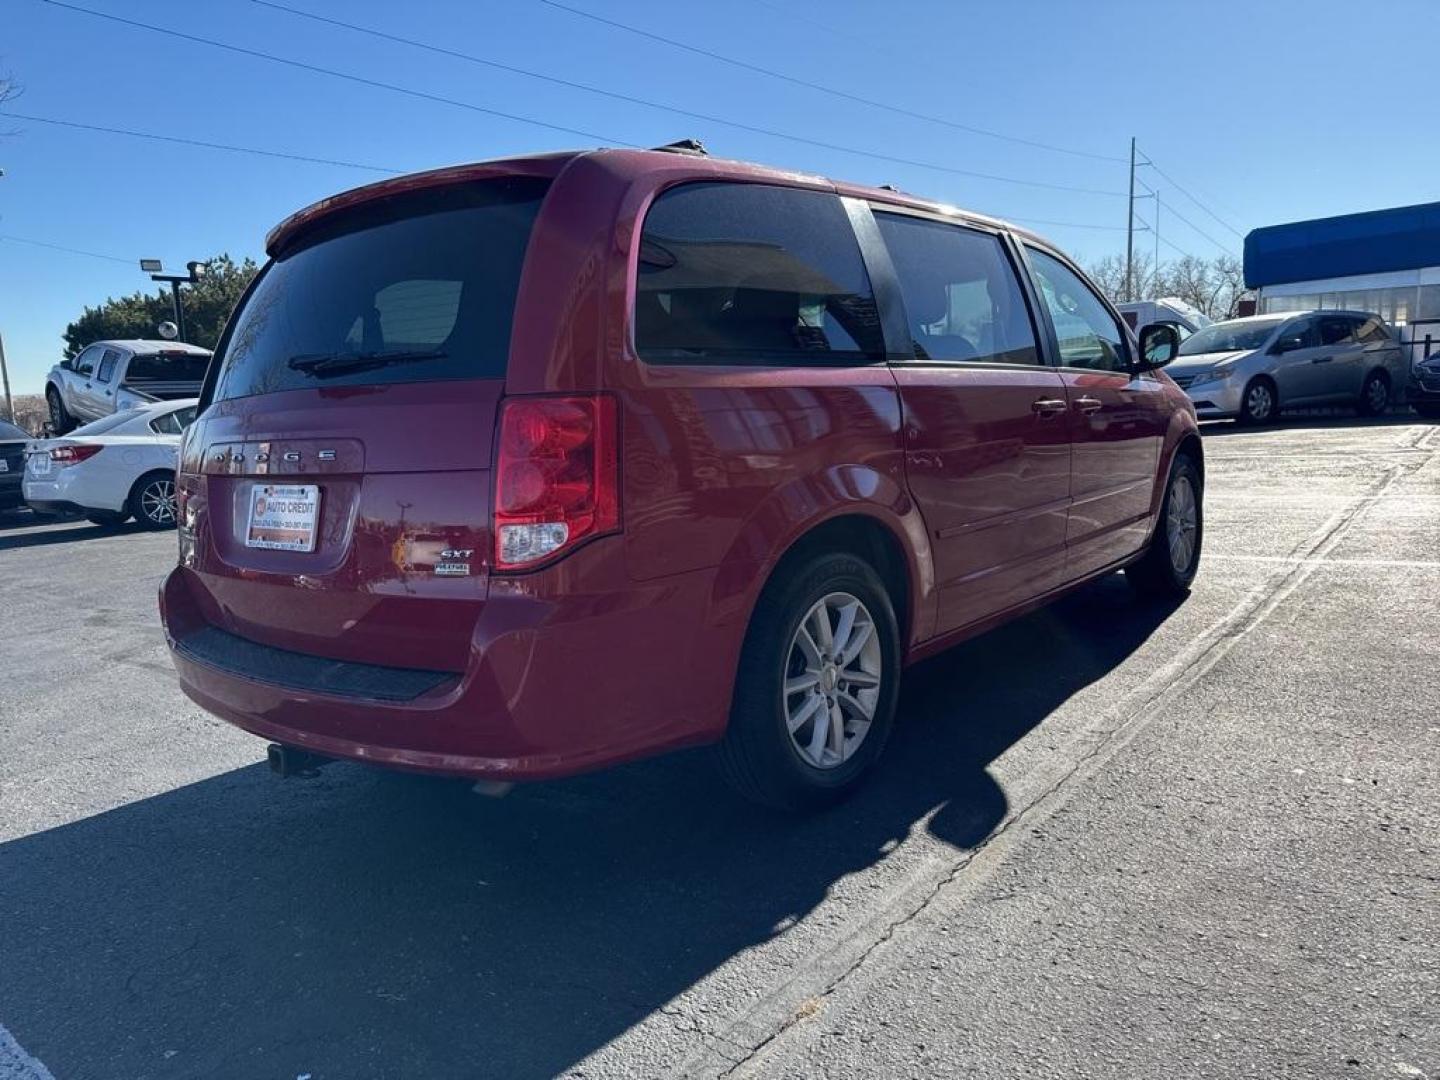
(1229,337)
(107,423)
(413,288)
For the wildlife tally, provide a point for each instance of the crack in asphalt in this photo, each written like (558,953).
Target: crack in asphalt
(1210,648)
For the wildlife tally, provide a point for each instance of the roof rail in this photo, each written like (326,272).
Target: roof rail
(694,147)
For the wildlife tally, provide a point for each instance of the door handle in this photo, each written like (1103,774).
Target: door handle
(1088,404)
(1047,406)
(1322,359)
(108,393)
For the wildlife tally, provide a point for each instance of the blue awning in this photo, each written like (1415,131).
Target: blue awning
(1402,238)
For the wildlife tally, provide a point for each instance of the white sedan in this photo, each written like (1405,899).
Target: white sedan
(119,467)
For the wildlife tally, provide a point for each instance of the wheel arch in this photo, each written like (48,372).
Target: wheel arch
(846,508)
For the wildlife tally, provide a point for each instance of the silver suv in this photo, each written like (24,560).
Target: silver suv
(1252,368)
(112,376)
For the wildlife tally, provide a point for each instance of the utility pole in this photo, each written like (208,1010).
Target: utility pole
(5,374)
(1130,230)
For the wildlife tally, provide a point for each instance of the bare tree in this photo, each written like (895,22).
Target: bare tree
(1213,286)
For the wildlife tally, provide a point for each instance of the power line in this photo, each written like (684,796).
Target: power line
(1066,224)
(1176,214)
(360,79)
(832,91)
(60,247)
(1193,199)
(197,142)
(706,117)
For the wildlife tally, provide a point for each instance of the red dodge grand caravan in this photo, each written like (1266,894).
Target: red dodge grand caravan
(523,468)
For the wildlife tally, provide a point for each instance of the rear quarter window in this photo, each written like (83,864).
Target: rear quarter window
(748,273)
(414,288)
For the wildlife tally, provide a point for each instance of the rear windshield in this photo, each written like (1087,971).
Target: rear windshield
(107,423)
(176,366)
(415,288)
(10,432)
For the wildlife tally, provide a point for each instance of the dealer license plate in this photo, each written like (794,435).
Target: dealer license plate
(283,516)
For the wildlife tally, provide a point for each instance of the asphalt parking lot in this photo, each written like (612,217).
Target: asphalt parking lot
(1111,840)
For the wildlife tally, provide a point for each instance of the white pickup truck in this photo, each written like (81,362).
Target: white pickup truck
(111,376)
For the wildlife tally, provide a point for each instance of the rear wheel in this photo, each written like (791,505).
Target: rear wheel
(1168,567)
(1260,404)
(152,500)
(1374,395)
(60,418)
(817,684)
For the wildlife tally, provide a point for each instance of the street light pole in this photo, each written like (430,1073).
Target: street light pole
(195,268)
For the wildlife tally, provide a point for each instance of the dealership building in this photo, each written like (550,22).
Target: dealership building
(1386,262)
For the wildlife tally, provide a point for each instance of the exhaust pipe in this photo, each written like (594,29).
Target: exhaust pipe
(289,761)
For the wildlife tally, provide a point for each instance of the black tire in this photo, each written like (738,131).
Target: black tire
(60,419)
(758,755)
(1260,404)
(107,519)
(1374,395)
(1430,410)
(1156,573)
(152,502)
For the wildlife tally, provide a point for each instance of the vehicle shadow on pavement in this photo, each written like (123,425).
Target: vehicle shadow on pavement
(1319,421)
(366,924)
(44,533)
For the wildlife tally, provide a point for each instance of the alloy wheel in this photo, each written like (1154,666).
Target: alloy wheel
(1182,522)
(832,680)
(1259,401)
(157,502)
(1377,394)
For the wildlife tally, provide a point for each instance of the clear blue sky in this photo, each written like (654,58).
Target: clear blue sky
(1268,111)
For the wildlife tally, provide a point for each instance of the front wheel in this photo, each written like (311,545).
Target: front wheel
(1374,396)
(152,500)
(1170,562)
(1259,404)
(816,690)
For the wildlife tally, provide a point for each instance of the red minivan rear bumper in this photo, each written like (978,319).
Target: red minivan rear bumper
(563,677)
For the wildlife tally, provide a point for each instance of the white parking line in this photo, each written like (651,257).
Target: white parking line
(1407,564)
(16,1064)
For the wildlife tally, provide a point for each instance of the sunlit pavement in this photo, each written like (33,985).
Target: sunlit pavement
(1109,840)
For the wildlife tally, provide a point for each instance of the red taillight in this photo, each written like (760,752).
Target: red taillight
(557,476)
(73,455)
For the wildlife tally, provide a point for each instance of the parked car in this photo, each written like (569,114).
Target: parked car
(519,469)
(113,469)
(113,376)
(1185,317)
(12,464)
(1425,387)
(1253,368)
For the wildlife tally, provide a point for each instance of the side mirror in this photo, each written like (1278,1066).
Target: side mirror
(1288,343)
(1159,344)
(67,364)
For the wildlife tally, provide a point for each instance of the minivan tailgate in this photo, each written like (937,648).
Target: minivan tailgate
(398,569)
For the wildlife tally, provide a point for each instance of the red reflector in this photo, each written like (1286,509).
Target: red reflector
(556,476)
(72,455)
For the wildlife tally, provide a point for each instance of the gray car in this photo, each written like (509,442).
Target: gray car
(1252,368)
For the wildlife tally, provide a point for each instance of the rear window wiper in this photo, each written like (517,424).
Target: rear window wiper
(322,364)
